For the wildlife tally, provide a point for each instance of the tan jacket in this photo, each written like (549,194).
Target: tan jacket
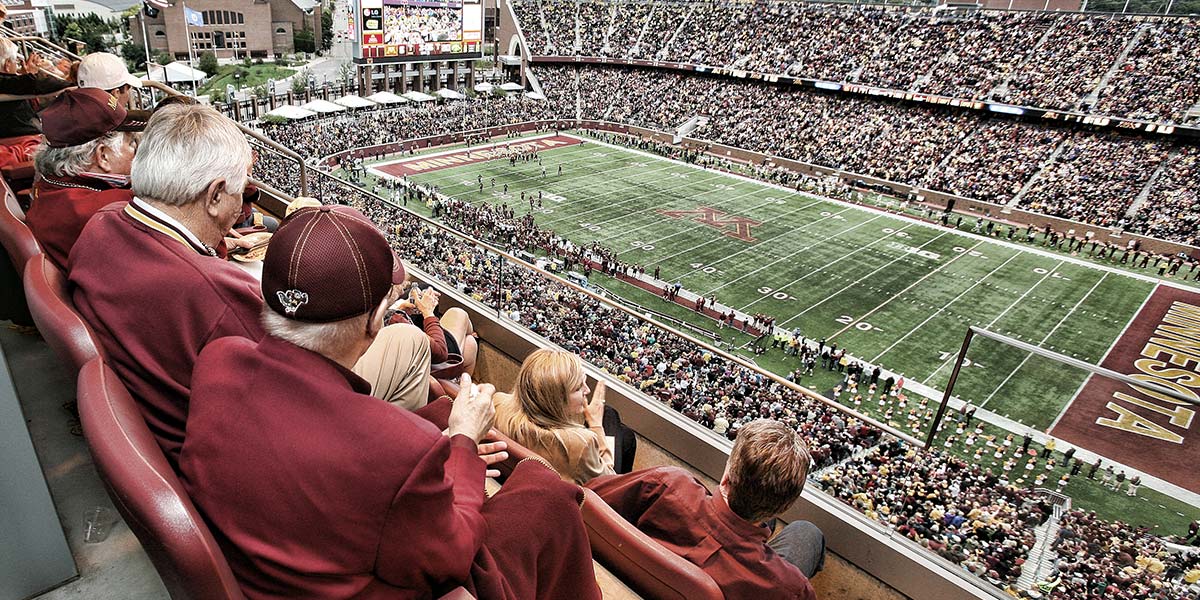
(577,453)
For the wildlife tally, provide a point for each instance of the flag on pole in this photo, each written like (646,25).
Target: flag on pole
(158,3)
(193,17)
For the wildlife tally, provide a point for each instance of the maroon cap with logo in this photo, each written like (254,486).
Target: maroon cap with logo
(328,264)
(81,115)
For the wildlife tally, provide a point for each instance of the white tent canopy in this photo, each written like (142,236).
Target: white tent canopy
(289,111)
(534,96)
(322,106)
(450,94)
(418,96)
(484,87)
(177,72)
(386,98)
(352,101)
(512,87)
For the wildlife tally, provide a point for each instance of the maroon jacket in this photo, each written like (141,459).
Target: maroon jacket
(315,489)
(154,302)
(60,208)
(671,506)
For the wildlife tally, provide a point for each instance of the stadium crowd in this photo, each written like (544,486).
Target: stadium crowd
(1111,559)
(181,234)
(1057,61)
(968,515)
(1073,173)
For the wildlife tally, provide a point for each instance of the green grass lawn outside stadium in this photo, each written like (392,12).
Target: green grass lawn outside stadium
(849,275)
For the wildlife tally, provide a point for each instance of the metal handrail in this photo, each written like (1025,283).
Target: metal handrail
(258,137)
(25,40)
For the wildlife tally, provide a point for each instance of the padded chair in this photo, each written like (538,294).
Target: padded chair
(147,492)
(55,316)
(642,563)
(149,495)
(634,557)
(15,235)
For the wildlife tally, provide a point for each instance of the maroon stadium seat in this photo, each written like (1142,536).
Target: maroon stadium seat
(15,235)
(55,316)
(147,493)
(639,561)
(150,497)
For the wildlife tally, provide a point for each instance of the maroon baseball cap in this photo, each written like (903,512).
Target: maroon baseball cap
(81,115)
(328,264)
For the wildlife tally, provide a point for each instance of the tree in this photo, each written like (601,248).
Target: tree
(326,29)
(134,55)
(300,82)
(208,63)
(303,40)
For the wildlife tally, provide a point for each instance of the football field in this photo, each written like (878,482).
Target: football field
(891,290)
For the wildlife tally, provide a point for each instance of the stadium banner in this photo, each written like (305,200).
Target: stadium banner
(390,31)
(866,90)
(1138,426)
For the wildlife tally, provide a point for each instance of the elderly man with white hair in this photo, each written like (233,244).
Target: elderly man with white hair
(82,167)
(148,276)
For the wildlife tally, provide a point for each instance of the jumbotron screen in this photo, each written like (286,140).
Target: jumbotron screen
(410,30)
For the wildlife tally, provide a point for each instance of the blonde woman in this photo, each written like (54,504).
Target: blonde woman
(549,412)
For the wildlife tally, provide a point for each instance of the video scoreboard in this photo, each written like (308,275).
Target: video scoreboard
(411,30)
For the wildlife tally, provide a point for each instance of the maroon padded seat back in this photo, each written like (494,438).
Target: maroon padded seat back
(55,316)
(15,235)
(147,492)
(639,561)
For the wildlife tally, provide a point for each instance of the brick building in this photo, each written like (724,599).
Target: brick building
(232,28)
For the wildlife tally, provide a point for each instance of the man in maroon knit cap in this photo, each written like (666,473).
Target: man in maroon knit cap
(725,533)
(83,166)
(315,489)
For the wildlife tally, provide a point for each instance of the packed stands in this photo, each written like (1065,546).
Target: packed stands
(1136,65)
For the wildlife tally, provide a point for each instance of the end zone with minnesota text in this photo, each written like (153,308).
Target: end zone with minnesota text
(1134,425)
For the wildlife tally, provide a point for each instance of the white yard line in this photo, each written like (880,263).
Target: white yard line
(790,255)
(829,297)
(611,206)
(1117,339)
(999,242)
(839,259)
(997,319)
(719,238)
(943,308)
(904,291)
(659,222)
(1056,326)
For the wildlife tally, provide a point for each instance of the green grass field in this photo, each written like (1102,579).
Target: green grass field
(834,271)
(890,290)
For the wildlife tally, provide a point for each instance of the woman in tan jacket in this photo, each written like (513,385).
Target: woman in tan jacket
(549,413)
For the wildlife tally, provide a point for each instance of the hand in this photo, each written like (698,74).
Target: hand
(232,243)
(473,411)
(426,301)
(492,453)
(595,408)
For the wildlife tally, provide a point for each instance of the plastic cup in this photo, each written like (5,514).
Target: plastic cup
(97,523)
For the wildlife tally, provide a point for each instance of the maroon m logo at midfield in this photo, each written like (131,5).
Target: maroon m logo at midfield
(734,227)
